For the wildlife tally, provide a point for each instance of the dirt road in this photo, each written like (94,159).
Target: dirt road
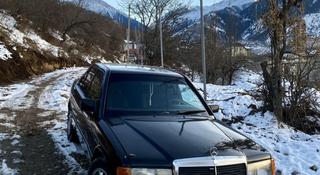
(32,127)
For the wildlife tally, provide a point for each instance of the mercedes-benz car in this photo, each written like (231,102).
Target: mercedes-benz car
(139,120)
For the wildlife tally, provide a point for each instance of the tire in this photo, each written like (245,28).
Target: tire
(71,130)
(98,167)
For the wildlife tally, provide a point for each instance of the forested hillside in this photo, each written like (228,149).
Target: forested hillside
(38,36)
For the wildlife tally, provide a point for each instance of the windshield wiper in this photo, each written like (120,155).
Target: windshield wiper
(190,112)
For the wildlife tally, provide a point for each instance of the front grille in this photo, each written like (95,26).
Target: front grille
(239,169)
(197,171)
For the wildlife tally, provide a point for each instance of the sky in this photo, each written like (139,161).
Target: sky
(115,3)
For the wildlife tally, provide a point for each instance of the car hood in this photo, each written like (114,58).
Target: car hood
(160,140)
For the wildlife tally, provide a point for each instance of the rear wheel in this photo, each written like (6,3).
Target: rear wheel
(71,130)
(98,167)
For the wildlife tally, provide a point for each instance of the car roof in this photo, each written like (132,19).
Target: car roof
(138,69)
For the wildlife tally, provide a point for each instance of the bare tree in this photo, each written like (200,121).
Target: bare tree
(277,20)
(74,16)
(148,13)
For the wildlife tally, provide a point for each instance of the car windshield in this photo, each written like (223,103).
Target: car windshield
(151,95)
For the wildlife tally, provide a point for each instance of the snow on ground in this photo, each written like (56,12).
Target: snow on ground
(8,23)
(5,54)
(56,34)
(15,96)
(3,136)
(5,170)
(7,121)
(56,96)
(44,45)
(59,136)
(55,99)
(256,47)
(294,151)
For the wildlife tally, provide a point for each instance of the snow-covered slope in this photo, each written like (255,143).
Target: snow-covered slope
(232,3)
(313,24)
(25,52)
(5,54)
(26,39)
(194,14)
(102,7)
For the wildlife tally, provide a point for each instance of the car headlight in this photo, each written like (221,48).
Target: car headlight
(143,171)
(266,167)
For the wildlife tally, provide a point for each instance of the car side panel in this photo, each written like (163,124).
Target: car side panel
(80,119)
(91,119)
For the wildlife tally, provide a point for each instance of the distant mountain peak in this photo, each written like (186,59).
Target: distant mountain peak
(102,7)
(232,3)
(241,4)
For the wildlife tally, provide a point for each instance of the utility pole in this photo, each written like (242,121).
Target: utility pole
(160,29)
(128,33)
(203,52)
(161,43)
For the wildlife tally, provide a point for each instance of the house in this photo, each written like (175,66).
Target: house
(135,52)
(240,50)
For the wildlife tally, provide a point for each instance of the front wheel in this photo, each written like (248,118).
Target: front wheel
(71,130)
(98,167)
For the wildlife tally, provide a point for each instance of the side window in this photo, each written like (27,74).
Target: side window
(81,81)
(189,97)
(95,86)
(86,80)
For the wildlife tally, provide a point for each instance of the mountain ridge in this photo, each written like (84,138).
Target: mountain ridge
(246,20)
(102,7)
(195,11)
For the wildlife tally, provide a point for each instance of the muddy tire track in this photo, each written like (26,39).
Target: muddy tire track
(36,152)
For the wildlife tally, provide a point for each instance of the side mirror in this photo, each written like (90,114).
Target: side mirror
(89,105)
(214,108)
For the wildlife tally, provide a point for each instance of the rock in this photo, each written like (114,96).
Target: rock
(314,168)
(295,173)
(252,106)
